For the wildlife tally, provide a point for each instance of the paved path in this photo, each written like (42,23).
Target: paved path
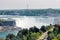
(44,35)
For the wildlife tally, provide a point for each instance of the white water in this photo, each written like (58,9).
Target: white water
(30,21)
(27,22)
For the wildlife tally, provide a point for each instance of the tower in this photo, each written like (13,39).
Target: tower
(28,4)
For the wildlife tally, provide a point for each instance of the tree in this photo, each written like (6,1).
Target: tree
(9,36)
(49,27)
(34,29)
(20,35)
(7,39)
(43,28)
(25,32)
(57,26)
(50,36)
(58,36)
(55,38)
(14,38)
(55,30)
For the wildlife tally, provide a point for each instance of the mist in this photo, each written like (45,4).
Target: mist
(27,22)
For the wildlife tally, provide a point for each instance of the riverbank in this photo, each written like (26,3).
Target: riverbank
(8,28)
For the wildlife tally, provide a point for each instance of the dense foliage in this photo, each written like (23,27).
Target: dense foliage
(32,33)
(55,34)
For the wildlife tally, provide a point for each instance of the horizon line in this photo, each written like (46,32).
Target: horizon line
(27,8)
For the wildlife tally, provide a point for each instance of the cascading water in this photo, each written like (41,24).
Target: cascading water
(27,22)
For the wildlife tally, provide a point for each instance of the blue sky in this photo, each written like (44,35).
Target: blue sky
(32,4)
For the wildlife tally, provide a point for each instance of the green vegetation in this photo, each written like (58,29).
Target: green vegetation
(48,27)
(55,34)
(32,33)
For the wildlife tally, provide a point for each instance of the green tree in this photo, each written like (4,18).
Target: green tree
(25,32)
(43,28)
(58,36)
(55,30)
(14,38)
(9,36)
(55,38)
(20,35)
(50,35)
(34,29)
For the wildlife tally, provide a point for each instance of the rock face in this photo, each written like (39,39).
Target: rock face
(7,23)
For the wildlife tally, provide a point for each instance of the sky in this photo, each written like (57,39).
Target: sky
(29,4)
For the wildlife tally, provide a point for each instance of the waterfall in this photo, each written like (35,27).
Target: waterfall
(27,22)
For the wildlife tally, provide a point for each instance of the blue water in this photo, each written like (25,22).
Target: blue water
(4,33)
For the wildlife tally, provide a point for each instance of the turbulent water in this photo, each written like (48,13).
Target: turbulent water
(30,21)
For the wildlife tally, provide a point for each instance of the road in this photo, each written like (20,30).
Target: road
(45,35)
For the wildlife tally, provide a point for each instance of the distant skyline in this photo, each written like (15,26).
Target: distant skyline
(30,4)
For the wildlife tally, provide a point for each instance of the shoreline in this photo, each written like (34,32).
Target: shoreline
(6,28)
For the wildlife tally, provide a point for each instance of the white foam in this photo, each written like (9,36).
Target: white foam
(27,22)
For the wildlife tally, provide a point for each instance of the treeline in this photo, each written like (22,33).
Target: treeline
(31,12)
(55,34)
(32,33)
